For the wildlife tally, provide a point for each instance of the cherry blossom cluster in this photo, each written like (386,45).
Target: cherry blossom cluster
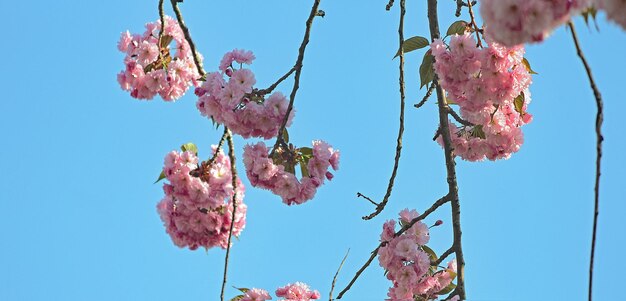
(150,66)
(264,173)
(513,22)
(490,85)
(228,98)
(615,10)
(291,292)
(194,210)
(408,263)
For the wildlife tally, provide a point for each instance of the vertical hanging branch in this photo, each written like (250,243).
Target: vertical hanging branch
(599,139)
(450,164)
(233,170)
(381,206)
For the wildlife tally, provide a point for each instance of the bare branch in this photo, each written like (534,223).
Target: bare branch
(443,256)
(332,287)
(381,206)
(389,5)
(599,139)
(179,17)
(429,92)
(473,22)
(233,170)
(457,117)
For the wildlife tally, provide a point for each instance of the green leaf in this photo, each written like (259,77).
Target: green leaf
(242,289)
(527,66)
(447,289)
(161,177)
(457,27)
(306,152)
(413,43)
(427,73)
(286,135)
(237,298)
(189,147)
(478,132)
(166,40)
(519,103)
(431,253)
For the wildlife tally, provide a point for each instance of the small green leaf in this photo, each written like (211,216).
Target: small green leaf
(478,132)
(161,177)
(166,40)
(519,103)
(426,69)
(286,135)
(413,43)
(242,289)
(189,147)
(447,289)
(237,298)
(431,253)
(457,27)
(527,66)
(306,152)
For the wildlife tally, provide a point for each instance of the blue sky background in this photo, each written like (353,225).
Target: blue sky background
(80,156)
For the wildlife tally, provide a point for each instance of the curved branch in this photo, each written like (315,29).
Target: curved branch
(233,170)
(599,139)
(381,206)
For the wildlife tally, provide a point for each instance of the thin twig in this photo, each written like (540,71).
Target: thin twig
(181,22)
(360,195)
(473,22)
(233,170)
(429,92)
(162,18)
(443,256)
(459,6)
(599,139)
(450,164)
(389,5)
(219,146)
(298,70)
(271,88)
(332,287)
(457,117)
(381,206)
(406,227)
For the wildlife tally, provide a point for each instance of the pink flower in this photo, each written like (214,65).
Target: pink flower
(256,294)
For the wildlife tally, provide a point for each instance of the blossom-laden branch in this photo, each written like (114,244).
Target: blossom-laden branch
(381,206)
(233,170)
(298,71)
(450,164)
(599,139)
(406,227)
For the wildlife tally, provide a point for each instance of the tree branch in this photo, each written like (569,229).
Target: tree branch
(429,92)
(457,117)
(599,139)
(443,256)
(406,227)
(332,287)
(298,71)
(181,22)
(449,157)
(381,206)
(233,170)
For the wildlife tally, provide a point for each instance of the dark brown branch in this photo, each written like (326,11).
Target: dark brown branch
(162,18)
(449,158)
(271,88)
(381,206)
(473,22)
(389,5)
(219,146)
(233,170)
(457,117)
(360,195)
(443,256)
(181,22)
(599,139)
(429,92)
(459,6)
(332,287)
(406,227)
(298,70)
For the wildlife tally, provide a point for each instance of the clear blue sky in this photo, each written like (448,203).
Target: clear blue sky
(80,156)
